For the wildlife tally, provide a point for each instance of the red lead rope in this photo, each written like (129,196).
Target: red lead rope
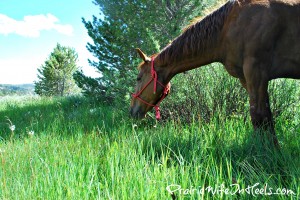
(155,81)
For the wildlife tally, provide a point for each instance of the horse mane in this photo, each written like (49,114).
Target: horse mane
(197,36)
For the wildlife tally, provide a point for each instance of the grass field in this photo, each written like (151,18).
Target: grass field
(73,149)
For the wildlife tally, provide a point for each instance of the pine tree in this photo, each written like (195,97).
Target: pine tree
(126,25)
(56,74)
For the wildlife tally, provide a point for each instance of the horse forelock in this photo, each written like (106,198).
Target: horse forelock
(197,36)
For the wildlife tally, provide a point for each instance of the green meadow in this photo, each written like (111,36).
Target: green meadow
(72,148)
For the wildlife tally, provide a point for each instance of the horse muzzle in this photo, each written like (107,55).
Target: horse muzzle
(136,113)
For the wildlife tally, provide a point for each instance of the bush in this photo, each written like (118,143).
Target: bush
(284,98)
(211,92)
(204,93)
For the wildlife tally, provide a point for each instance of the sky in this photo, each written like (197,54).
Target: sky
(29,31)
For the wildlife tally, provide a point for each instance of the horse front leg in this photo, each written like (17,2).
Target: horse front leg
(260,111)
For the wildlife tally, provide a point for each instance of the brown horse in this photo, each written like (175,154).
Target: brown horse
(256,41)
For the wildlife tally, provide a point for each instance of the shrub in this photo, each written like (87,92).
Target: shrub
(211,92)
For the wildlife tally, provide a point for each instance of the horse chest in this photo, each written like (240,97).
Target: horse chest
(234,70)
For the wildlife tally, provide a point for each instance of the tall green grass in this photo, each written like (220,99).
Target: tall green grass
(80,150)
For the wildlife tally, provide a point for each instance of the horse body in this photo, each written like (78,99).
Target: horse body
(261,44)
(256,41)
(266,32)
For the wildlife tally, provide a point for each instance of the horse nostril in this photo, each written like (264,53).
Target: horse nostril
(130,111)
(133,112)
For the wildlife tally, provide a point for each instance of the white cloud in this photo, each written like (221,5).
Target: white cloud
(31,26)
(19,70)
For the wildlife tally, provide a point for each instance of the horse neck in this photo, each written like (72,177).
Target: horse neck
(198,45)
(185,62)
(207,52)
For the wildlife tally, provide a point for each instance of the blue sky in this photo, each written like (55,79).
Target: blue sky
(29,30)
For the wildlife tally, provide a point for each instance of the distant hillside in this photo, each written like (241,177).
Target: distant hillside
(22,89)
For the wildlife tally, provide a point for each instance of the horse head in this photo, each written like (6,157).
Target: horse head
(152,87)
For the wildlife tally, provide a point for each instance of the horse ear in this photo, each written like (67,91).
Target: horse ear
(143,56)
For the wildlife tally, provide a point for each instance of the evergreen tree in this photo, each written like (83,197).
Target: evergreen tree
(56,74)
(126,25)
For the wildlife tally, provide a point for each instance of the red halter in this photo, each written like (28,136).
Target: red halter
(155,81)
